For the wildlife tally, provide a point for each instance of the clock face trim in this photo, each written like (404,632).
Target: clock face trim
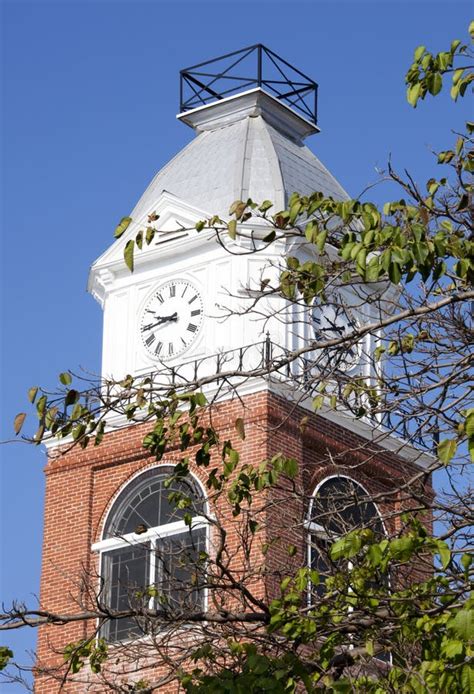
(171,319)
(330,321)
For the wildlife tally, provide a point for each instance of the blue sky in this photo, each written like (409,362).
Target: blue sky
(90,94)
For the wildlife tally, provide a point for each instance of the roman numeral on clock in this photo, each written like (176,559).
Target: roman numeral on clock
(158,348)
(193,299)
(172,290)
(192,328)
(170,348)
(196,312)
(160,298)
(150,340)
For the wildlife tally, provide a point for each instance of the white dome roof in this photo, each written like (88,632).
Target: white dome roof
(249,145)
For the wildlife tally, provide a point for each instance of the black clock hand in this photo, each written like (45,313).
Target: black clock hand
(165,319)
(160,320)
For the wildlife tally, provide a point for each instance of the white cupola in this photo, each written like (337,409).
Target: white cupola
(246,146)
(249,143)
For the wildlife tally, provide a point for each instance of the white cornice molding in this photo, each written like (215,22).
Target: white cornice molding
(379,436)
(248,104)
(100,283)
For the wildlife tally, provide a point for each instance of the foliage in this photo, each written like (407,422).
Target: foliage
(5,655)
(425,75)
(377,603)
(87,650)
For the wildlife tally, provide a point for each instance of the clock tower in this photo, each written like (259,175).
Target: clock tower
(186,313)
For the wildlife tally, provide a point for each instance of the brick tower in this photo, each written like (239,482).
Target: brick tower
(107,513)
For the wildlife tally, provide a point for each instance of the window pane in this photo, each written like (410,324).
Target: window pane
(145,502)
(341,505)
(127,575)
(179,572)
(321,562)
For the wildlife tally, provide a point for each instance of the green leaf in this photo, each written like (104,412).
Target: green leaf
(310,232)
(76,412)
(413,94)
(445,60)
(122,227)
(266,204)
(419,52)
(402,548)
(72,396)
(292,262)
(200,399)
(394,272)
(290,467)
(5,655)
(128,254)
(445,157)
(32,392)
(149,235)
(457,75)
(375,555)
(347,547)
(271,236)
(41,405)
(469,423)
(372,270)
(378,351)
(444,553)
(318,402)
(435,84)
(78,431)
(239,425)
(238,208)
(453,648)
(462,624)
(65,378)
(50,417)
(467,678)
(446,450)
(294,211)
(321,240)
(232,229)
(18,422)
(463,203)
(253,526)
(361,261)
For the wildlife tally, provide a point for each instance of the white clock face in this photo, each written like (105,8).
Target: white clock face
(331,321)
(171,319)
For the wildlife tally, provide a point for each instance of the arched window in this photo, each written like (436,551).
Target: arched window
(338,506)
(152,551)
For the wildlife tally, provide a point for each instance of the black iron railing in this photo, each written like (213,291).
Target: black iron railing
(255,66)
(303,373)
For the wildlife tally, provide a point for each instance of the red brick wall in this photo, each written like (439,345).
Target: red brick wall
(82,484)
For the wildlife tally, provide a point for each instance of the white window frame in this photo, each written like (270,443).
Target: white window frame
(152,536)
(313,528)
